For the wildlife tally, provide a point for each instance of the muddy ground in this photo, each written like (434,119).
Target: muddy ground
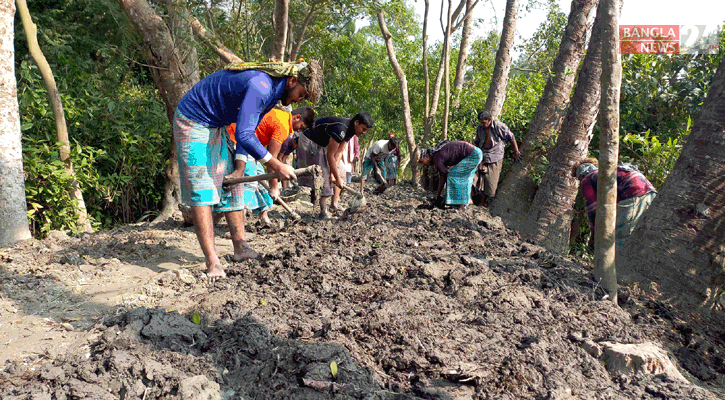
(408,303)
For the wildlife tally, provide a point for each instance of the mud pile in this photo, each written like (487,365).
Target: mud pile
(406,302)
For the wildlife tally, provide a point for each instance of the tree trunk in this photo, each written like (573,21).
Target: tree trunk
(446,74)
(213,43)
(404,99)
(604,239)
(57,106)
(680,241)
(499,80)
(513,199)
(175,68)
(463,52)
(281,14)
(13,211)
(427,118)
(549,219)
(298,42)
(432,106)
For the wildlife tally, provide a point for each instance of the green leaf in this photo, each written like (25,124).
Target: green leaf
(333,369)
(196,318)
(263,302)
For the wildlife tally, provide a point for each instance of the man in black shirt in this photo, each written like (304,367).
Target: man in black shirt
(323,145)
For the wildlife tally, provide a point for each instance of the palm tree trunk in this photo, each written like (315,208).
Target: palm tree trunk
(517,189)
(680,241)
(549,220)
(499,80)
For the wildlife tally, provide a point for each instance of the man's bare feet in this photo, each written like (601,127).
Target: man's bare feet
(215,272)
(245,253)
(266,220)
(336,209)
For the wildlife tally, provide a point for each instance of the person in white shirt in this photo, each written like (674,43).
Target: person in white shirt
(374,162)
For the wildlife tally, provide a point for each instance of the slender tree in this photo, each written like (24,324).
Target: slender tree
(212,41)
(404,98)
(281,22)
(296,42)
(446,67)
(513,198)
(550,216)
(463,51)
(499,80)
(175,69)
(604,238)
(31,31)
(680,241)
(433,98)
(13,211)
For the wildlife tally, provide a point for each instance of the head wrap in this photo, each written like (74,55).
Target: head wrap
(585,169)
(432,150)
(309,74)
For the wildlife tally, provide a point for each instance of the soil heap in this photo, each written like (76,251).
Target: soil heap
(392,302)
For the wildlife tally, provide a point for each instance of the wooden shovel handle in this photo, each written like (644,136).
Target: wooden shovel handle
(281,202)
(353,191)
(311,170)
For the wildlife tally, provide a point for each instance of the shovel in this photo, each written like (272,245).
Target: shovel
(281,202)
(359,201)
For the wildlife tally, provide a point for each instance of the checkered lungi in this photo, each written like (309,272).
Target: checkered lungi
(391,167)
(629,212)
(256,197)
(310,153)
(367,169)
(204,158)
(460,179)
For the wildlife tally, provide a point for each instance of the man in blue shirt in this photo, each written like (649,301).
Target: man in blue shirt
(205,151)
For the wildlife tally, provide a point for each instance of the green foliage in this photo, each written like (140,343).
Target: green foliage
(50,205)
(654,158)
(117,127)
(662,93)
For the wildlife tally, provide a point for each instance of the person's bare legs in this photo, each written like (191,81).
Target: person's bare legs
(242,250)
(336,191)
(324,213)
(204,228)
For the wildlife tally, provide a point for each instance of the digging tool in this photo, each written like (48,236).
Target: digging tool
(359,201)
(313,170)
(281,202)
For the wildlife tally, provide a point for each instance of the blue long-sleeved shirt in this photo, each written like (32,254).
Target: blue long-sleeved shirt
(228,96)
